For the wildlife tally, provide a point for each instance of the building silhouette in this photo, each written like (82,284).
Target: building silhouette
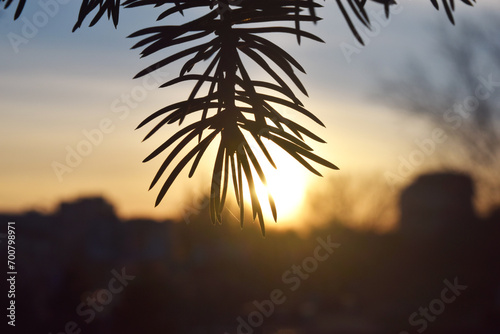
(437,203)
(199,278)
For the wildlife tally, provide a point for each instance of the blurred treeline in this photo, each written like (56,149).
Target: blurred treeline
(199,278)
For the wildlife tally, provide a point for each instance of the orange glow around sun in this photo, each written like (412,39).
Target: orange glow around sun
(287,185)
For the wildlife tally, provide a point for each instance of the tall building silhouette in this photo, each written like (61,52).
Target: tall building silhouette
(436,203)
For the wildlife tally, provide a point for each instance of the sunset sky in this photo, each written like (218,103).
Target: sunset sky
(58,87)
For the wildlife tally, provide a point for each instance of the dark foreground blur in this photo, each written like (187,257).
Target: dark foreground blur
(82,270)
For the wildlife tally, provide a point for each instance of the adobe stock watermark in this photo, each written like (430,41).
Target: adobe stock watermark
(407,165)
(368,33)
(32,26)
(120,108)
(96,303)
(436,306)
(454,118)
(293,279)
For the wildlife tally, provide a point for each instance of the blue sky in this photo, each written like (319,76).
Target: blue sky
(61,85)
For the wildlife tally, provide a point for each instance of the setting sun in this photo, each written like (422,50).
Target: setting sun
(286,184)
(230,166)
